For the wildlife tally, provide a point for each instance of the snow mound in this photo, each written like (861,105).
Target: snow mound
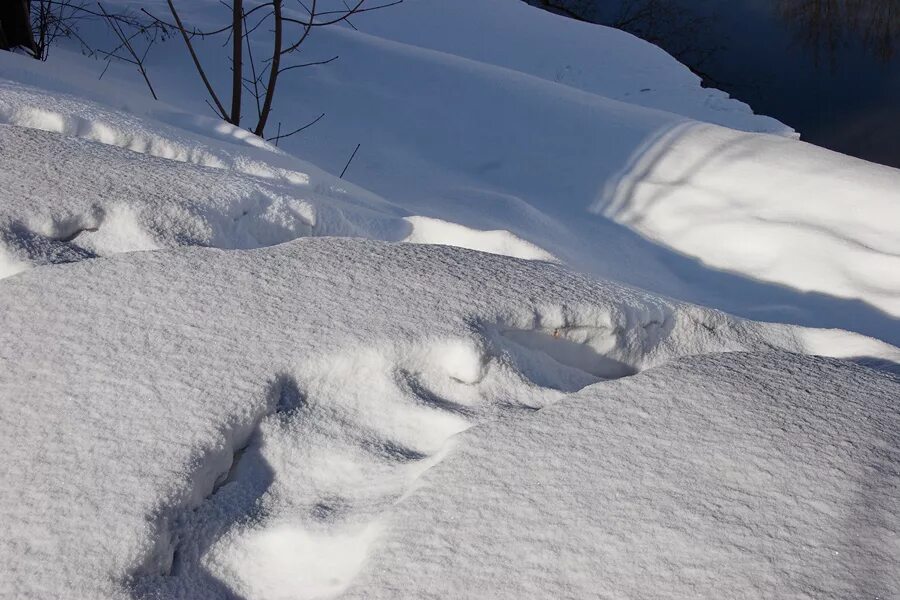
(95,200)
(769,208)
(724,476)
(153,455)
(74,115)
(581,142)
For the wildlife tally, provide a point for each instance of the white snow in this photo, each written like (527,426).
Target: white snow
(436,231)
(554,143)
(97,200)
(799,216)
(723,476)
(341,367)
(472,367)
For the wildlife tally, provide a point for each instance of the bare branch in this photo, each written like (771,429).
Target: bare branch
(187,40)
(281,136)
(310,64)
(197,32)
(237,57)
(273,73)
(117,28)
(347,166)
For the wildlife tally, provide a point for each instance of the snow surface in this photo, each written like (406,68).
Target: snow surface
(208,390)
(723,476)
(479,123)
(224,408)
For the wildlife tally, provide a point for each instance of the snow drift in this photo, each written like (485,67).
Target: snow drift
(207,390)
(595,148)
(277,398)
(721,476)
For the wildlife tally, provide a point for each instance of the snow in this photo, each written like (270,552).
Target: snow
(436,231)
(690,191)
(654,188)
(491,361)
(313,382)
(98,200)
(722,476)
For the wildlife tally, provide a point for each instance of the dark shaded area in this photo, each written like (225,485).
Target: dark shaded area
(827,27)
(15,25)
(233,500)
(828,68)
(670,24)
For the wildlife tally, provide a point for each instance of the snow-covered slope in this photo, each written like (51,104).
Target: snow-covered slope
(94,199)
(727,476)
(333,370)
(202,396)
(592,146)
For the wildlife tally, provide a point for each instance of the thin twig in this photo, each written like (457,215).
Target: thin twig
(349,161)
(310,64)
(190,47)
(279,136)
(117,28)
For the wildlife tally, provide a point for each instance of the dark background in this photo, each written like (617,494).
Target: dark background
(828,68)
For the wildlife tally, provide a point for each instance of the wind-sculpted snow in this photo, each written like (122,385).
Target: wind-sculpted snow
(203,397)
(726,476)
(93,199)
(239,421)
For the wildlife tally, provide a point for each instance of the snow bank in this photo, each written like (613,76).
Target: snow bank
(277,417)
(590,147)
(724,476)
(226,404)
(772,209)
(92,200)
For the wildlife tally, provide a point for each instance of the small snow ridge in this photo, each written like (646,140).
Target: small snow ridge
(426,230)
(33,108)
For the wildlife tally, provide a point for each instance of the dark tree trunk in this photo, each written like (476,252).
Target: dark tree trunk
(237,64)
(15,25)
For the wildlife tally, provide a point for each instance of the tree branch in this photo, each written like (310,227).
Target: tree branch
(273,73)
(187,40)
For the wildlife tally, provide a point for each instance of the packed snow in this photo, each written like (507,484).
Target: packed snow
(490,361)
